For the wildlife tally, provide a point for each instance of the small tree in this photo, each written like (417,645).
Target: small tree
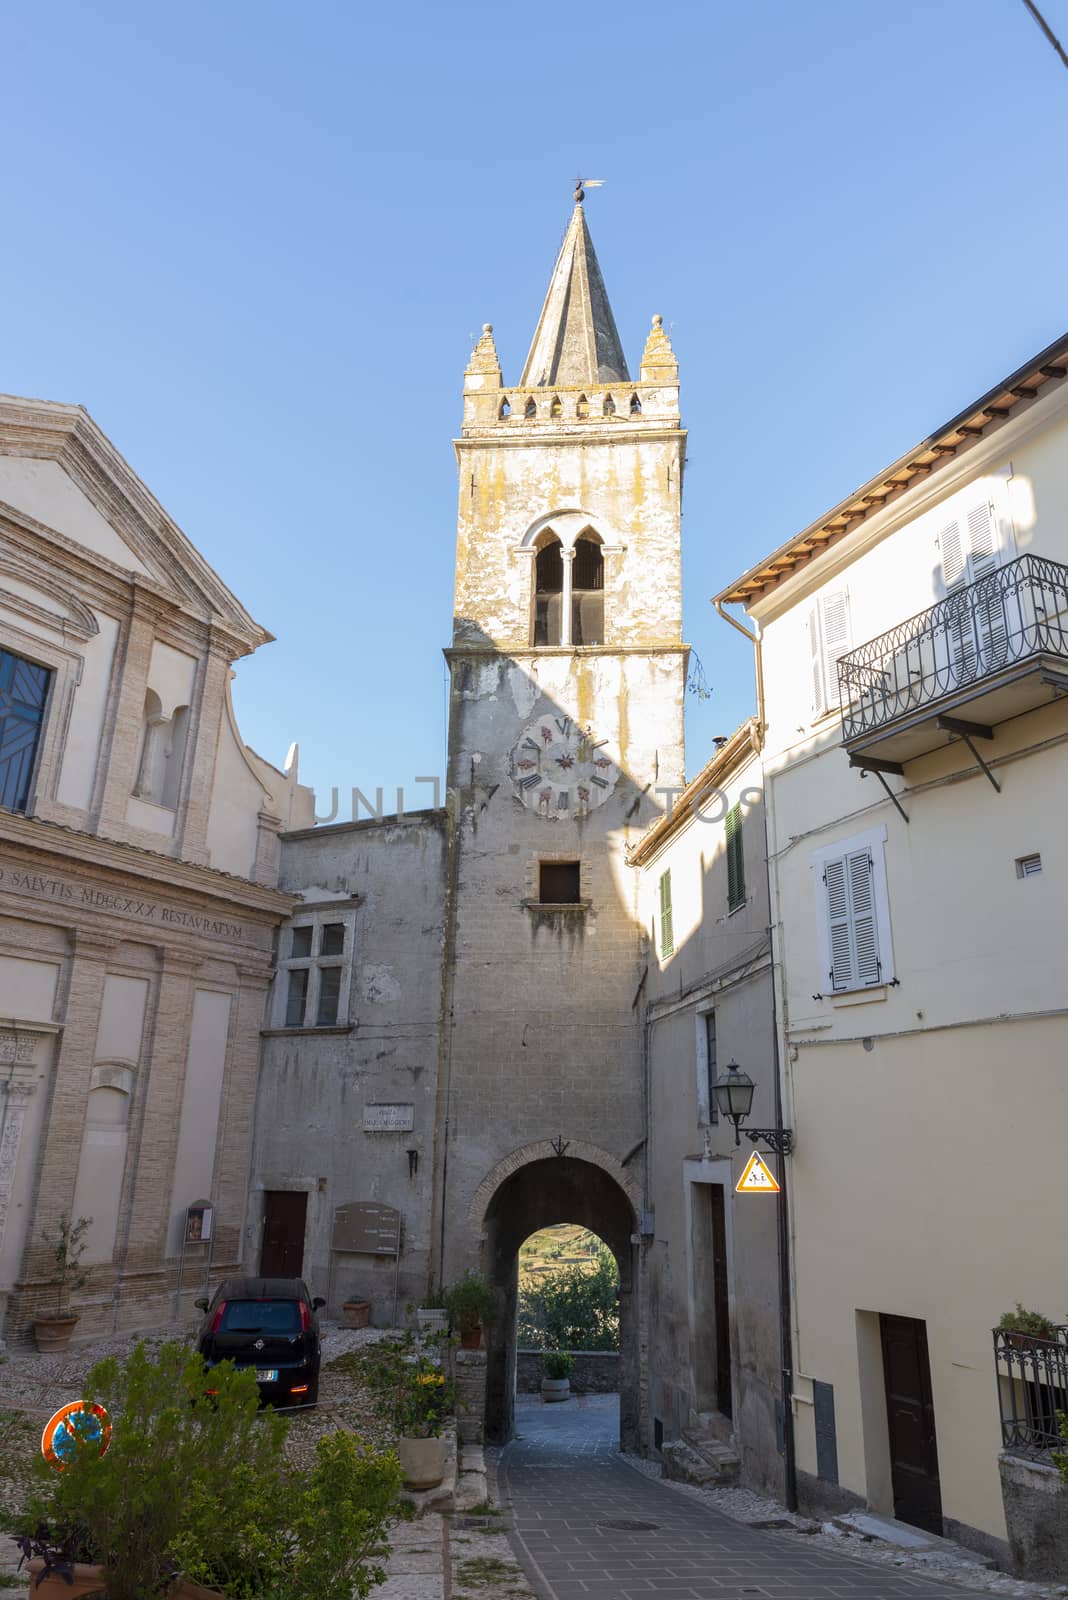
(68,1244)
(572,1309)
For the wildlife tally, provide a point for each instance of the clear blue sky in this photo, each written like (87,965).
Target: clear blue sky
(256,241)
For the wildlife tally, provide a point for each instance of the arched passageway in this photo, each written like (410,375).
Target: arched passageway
(539,1195)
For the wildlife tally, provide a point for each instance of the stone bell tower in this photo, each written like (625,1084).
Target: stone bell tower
(567,673)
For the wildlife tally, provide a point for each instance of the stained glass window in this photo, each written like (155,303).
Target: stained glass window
(23,693)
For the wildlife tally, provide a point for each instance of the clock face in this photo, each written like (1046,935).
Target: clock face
(560,769)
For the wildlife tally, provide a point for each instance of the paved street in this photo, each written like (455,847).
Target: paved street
(588,1526)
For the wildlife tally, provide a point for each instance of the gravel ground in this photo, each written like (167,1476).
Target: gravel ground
(745,1505)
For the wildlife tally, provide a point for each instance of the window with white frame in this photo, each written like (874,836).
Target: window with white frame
(313,971)
(853,913)
(974,538)
(830,636)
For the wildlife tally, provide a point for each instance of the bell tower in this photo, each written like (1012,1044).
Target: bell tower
(567,673)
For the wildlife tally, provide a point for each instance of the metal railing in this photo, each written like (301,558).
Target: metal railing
(1032,1376)
(1019,611)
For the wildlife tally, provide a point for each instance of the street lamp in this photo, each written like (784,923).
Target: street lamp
(734,1090)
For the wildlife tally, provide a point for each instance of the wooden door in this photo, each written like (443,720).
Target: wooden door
(911,1423)
(282,1250)
(721,1300)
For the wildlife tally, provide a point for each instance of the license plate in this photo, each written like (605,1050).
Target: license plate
(266,1374)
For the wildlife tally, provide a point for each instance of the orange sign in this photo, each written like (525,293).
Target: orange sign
(70,1426)
(757,1178)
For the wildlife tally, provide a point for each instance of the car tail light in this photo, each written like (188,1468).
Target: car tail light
(305,1320)
(216,1321)
(299,1388)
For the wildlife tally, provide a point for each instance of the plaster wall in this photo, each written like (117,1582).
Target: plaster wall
(920,1187)
(720,965)
(45,491)
(315,1084)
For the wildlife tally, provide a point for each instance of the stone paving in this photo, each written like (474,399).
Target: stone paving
(588,1527)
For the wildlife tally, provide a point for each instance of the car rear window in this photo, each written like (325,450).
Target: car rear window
(261,1316)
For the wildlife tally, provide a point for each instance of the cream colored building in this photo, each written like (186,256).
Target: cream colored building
(913,656)
(138,863)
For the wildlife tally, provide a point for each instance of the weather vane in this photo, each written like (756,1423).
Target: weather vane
(582,184)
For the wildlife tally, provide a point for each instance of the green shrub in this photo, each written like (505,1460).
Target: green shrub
(573,1309)
(558,1363)
(470,1303)
(1031,1323)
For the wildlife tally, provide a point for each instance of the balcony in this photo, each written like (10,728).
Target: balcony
(989,652)
(1032,1378)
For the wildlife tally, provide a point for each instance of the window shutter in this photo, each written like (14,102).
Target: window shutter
(735,859)
(990,605)
(954,549)
(854,937)
(830,637)
(667,932)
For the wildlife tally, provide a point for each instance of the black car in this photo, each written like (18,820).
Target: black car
(269,1324)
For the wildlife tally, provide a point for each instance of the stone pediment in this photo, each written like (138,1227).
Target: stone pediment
(62,480)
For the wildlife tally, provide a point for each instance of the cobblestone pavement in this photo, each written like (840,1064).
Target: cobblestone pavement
(588,1527)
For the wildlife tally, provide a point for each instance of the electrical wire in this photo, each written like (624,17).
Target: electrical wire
(1047,30)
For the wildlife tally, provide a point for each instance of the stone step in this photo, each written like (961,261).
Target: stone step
(704,1464)
(917,1541)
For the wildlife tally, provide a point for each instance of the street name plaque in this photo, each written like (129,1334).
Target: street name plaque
(383,1118)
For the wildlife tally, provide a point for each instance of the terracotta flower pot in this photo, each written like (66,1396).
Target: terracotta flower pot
(470,1338)
(53,1333)
(422,1462)
(356,1313)
(88,1579)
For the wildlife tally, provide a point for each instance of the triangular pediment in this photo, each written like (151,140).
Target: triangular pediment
(62,478)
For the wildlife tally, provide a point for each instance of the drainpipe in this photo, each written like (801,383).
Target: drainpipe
(755,640)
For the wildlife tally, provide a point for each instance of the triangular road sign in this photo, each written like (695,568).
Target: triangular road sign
(757,1178)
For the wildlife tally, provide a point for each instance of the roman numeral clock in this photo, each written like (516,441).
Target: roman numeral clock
(560,769)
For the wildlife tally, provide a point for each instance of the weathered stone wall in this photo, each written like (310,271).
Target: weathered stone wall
(594,1372)
(1035,1497)
(387,879)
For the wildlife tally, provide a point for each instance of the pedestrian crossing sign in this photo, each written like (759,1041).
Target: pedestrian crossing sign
(757,1178)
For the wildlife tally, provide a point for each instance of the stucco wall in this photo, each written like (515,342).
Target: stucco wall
(316,1083)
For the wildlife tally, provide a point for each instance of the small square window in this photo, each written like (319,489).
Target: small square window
(1028,866)
(329,994)
(297,997)
(558,883)
(301,946)
(332,942)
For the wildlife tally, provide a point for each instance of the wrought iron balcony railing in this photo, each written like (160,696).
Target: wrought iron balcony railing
(1010,616)
(1032,1376)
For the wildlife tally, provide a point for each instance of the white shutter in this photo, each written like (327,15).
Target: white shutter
(834,876)
(953,545)
(852,925)
(830,637)
(989,612)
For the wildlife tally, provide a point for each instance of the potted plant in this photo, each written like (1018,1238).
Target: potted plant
(431,1316)
(556,1384)
(469,1303)
(194,1499)
(424,1399)
(1025,1329)
(355,1313)
(68,1245)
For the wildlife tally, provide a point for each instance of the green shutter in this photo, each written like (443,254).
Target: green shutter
(735,860)
(667,932)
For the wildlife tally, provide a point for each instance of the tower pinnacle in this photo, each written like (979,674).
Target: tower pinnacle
(576,342)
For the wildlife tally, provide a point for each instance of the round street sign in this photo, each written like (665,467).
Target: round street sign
(70,1425)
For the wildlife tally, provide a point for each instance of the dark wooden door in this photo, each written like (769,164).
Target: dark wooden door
(721,1299)
(911,1423)
(282,1250)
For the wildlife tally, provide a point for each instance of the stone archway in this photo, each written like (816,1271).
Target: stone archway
(539,1194)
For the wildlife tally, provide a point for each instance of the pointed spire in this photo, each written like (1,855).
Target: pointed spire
(576,342)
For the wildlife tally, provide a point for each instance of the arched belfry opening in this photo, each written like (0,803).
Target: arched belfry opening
(548,590)
(541,1194)
(587,590)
